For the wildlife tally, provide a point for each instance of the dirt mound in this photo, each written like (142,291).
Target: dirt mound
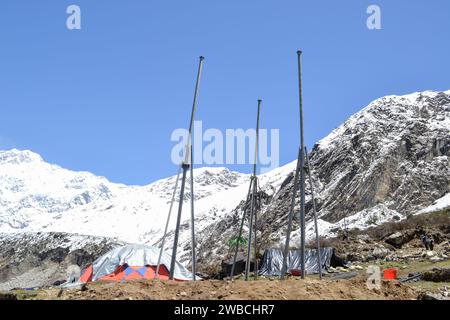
(292,289)
(437,275)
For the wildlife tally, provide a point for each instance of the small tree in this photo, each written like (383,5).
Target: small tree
(237,242)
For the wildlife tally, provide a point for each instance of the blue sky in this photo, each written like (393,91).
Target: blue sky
(106,98)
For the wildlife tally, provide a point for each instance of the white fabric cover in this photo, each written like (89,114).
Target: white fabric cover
(136,255)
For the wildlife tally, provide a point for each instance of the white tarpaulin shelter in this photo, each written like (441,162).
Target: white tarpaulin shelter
(133,262)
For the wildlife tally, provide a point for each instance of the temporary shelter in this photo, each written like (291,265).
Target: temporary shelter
(272,261)
(241,261)
(133,262)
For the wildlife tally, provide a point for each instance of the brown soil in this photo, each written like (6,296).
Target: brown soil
(293,289)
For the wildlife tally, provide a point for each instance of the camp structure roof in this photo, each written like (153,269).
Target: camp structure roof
(133,262)
(272,261)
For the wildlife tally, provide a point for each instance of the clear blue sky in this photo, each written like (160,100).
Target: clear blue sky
(106,98)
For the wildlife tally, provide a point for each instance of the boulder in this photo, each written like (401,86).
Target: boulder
(398,239)
(355,257)
(445,291)
(432,296)
(437,275)
(380,253)
(363,238)
(436,259)
(8,296)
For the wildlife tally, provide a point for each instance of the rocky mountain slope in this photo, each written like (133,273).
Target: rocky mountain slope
(387,161)
(394,152)
(30,260)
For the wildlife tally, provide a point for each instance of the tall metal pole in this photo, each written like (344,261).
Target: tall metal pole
(255,163)
(250,231)
(299,171)
(186,166)
(241,227)
(177,228)
(319,258)
(253,199)
(255,187)
(255,273)
(194,260)
(290,218)
(197,88)
(163,242)
(302,167)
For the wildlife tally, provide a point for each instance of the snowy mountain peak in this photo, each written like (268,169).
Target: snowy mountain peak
(36,196)
(15,156)
(394,112)
(397,145)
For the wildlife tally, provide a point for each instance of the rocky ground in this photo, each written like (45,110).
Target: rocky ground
(398,245)
(422,274)
(292,289)
(397,242)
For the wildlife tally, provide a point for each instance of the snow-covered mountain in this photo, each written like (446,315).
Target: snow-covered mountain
(394,152)
(36,196)
(387,161)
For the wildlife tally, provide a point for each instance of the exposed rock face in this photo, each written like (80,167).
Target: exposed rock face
(41,259)
(394,152)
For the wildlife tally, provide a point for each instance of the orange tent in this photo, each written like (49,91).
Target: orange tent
(125,272)
(133,262)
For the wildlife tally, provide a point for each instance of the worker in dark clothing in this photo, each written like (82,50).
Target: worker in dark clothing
(427,242)
(345,235)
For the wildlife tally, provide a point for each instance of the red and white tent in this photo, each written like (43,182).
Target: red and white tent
(133,262)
